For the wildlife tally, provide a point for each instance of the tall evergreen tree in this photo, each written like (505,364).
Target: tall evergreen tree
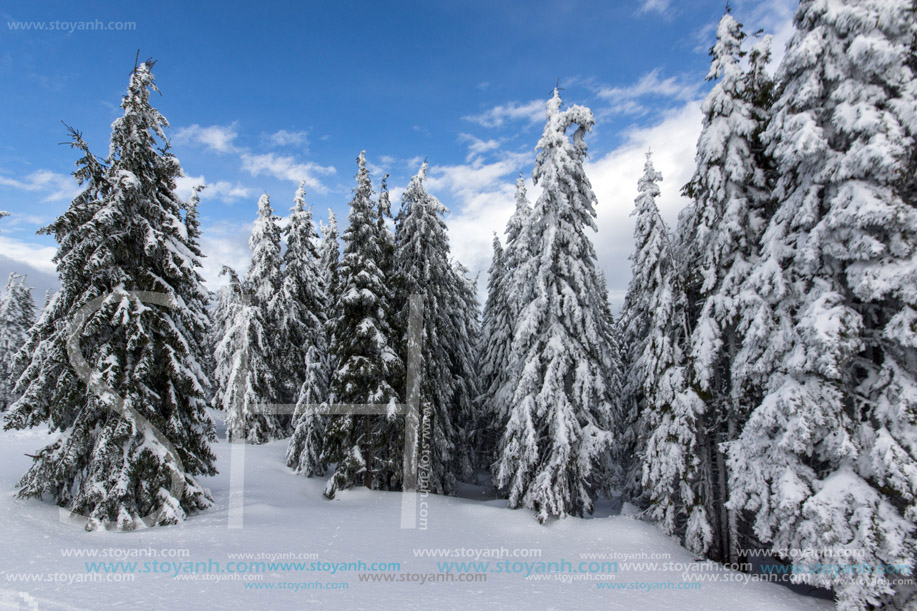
(500,313)
(17,315)
(663,414)
(303,318)
(249,355)
(494,355)
(730,190)
(828,458)
(550,456)
(422,267)
(329,256)
(117,462)
(464,366)
(362,348)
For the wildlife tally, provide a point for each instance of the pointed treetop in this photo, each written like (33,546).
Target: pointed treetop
(554,103)
(651,176)
(299,200)
(727,51)
(264,205)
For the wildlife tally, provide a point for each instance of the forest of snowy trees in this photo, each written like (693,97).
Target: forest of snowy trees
(757,390)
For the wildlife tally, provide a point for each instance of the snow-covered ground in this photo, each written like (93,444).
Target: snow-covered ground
(285,514)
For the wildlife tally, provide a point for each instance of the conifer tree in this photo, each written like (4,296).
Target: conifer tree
(366,362)
(303,319)
(828,457)
(499,318)
(551,454)
(662,407)
(423,267)
(494,355)
(464,367)
(730,190)
(329,255)
(117,460)
(249,354)
(17,315)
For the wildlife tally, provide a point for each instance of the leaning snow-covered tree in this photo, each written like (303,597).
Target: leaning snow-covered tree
(364,357)
(828,459)
(124,233)
(303,318)
(550,457)
(17,315)
(248,355)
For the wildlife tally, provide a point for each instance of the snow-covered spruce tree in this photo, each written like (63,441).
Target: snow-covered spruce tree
(248,354)
(518,249)
(730,190)
(550,457)
(464,366)
(303,318)
(661,411)
(422,267)
(365,448)
(17,315)
(493,353)
(123,233)
(386,235)
(329,256)
(500,313)
(828,458)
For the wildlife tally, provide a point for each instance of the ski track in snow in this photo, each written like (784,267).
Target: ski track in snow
(285,513)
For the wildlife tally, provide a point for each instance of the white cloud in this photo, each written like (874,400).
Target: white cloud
(221,189)
(288,138)
(217,138)
(655,6)
(626,100)
(531,112)
(29,255)
(224,243)
(476,146)
(56,186)
(286,168)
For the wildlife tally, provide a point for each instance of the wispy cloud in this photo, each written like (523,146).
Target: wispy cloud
(217,138)
(477,147)
(55,186)
(221,189)
(655,6)
(631,99)
(287,168)
(289,138)
(530,112)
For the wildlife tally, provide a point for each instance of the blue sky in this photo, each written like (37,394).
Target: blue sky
(264,94)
